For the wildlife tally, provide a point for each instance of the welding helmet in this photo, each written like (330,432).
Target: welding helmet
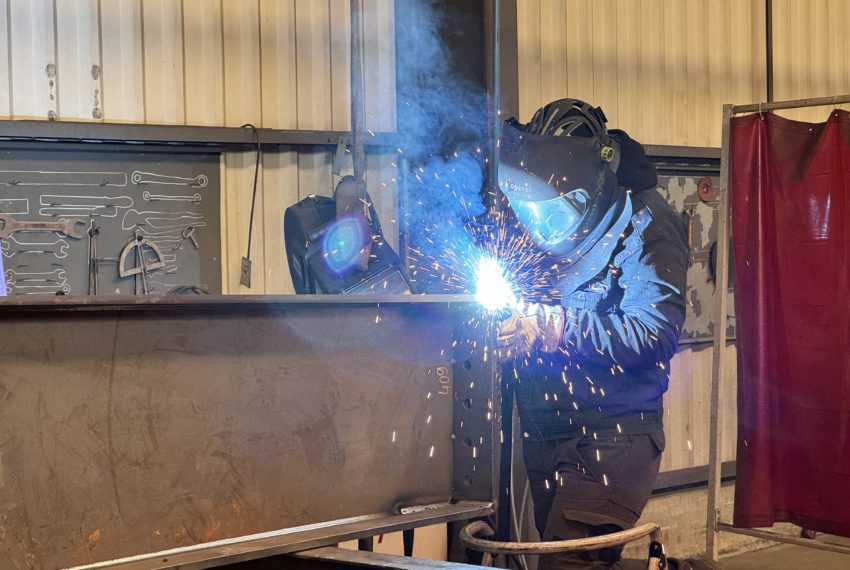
(558,174)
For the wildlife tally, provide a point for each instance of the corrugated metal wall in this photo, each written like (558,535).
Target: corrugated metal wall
(811,51)
(662,69)
(274,63)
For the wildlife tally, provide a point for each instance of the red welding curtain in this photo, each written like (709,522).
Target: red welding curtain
(789,184)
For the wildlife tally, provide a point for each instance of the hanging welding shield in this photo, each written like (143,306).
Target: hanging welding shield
(336,245)
(559,187)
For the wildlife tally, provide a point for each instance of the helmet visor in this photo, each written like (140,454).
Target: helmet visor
(552,222)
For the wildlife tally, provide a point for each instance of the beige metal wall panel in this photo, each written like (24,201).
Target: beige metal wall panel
(79,70)
(162,23)
(696,48)
(811,50)
(123,95)
(379,64)
(652,68)
(340,38)
(718,22)
(838,47)
(204,70)
(314,172)
(675,78)
(32,56)
(660,69)
(240,183)
(5,110)
(604,43)
(578,36)
(628,67)
(277,39)
(242,79)
(553,50)
(687,408)
(313,61)
(529,64)
(280,190)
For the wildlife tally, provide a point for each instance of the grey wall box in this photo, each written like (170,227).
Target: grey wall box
(171,199)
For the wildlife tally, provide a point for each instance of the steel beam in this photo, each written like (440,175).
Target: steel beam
(178,135)
(189,425)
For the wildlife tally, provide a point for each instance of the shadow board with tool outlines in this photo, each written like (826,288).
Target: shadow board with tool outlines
(105,222)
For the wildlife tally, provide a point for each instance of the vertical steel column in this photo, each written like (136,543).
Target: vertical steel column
(493,15)
(721,303)
(768,40)
(357,106)
(477,424)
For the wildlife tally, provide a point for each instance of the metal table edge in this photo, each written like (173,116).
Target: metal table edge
(287,541)
(115,303)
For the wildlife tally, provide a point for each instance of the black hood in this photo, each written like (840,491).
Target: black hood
(635,171)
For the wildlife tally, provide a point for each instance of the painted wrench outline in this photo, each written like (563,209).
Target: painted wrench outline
(66,226)
(173,221)
(194,198)
(54,281)
(140,178)
(59,247)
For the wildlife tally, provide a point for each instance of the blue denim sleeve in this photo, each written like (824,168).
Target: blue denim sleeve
(643,330)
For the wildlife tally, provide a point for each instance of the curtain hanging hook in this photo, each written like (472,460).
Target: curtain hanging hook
(836,106)
(761,115)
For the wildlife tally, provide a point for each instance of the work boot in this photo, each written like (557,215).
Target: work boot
(692,564)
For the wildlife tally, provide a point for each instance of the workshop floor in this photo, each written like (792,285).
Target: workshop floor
(791,557)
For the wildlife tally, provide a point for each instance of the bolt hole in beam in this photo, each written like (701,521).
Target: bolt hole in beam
(467,365)
(467,442)
(467,480)
(467,403)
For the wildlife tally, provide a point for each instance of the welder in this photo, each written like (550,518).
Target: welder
(591,366)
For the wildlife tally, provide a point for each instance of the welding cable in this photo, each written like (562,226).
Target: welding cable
(254,192)
(188,290)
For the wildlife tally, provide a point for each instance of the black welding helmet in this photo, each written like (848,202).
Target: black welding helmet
(558,174)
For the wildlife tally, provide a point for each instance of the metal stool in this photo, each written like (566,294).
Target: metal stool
(468,537)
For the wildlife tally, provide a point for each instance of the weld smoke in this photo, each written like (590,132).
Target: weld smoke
(442,120)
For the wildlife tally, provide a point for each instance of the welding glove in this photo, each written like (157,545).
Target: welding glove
(529,327)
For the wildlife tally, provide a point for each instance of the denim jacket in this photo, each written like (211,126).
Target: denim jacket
(622,329)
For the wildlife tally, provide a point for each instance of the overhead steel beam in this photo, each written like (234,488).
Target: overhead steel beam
(228,137)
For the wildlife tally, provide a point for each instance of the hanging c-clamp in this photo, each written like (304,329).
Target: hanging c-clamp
(138,244)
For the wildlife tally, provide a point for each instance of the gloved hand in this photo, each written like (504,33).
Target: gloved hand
(530,326)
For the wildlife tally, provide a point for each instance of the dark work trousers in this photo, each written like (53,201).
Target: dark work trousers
(587,486)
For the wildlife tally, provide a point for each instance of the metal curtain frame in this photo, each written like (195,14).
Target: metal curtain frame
(721,302)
